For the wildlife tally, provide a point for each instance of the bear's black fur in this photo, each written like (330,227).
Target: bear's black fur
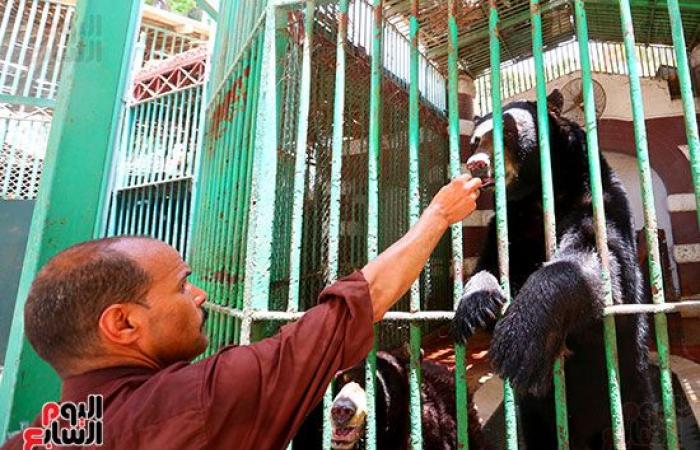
(392,411)
(557,306)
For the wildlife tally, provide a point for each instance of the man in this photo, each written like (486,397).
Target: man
(118,317)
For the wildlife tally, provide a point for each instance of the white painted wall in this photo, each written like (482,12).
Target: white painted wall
(626,168)
(657,101)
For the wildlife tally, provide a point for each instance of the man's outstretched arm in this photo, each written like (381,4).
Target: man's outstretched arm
(391,274)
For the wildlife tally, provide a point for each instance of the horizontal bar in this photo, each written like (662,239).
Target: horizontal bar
(615,310)
(153,183)
(37,102)
(689,5)
(467,39)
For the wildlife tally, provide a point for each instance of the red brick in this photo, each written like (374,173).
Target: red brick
(689,275)
(685,227)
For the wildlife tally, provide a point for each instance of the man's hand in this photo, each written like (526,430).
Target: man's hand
(391,273)
(457,200)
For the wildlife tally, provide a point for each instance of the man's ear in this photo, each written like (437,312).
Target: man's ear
(120,323)
(555,102)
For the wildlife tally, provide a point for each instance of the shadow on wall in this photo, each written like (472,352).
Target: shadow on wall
(15,217)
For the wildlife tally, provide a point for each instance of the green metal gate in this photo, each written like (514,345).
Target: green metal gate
(159,144)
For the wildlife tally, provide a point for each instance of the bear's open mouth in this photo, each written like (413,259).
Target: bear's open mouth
(345,438)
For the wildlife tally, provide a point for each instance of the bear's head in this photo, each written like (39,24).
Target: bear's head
(348,412)
(520,145)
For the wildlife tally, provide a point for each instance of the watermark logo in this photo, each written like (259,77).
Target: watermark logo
(75,424)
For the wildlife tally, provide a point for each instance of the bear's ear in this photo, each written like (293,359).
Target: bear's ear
(476,119)
(555,102)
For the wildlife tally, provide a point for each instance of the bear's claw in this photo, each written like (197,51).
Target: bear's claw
(479,306)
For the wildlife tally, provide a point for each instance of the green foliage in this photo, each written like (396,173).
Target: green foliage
(178,6)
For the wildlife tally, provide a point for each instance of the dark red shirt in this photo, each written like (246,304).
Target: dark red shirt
(247,397)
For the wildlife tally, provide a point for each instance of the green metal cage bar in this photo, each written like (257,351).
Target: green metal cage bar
(456,229)
(650,226)
(373,153)
(511,422)
(335,181)
(414,372)
(550,230)
(610,338)
(691,124)
(300,160)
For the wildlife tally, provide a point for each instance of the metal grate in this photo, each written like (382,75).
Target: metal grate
(158,152)
(22,153)
(33,37)
(519,76)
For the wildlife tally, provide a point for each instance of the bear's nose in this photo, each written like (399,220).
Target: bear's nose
(343,410)
(479,166)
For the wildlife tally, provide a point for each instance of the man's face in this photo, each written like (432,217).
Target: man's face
(174,313)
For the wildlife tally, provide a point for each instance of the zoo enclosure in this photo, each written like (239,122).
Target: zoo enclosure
(270,118)
(335,180)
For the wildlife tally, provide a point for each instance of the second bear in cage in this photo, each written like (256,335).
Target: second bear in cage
(557,305)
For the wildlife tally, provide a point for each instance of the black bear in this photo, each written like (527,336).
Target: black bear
(348,412)
(557,305)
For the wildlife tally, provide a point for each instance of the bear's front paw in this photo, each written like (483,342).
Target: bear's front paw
(524,350)
(480,305)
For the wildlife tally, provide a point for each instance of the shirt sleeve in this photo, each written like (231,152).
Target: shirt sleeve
(260,394)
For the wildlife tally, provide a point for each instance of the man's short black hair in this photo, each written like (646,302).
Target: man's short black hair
(70,293)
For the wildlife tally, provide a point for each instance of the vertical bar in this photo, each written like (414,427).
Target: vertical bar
(6,17)
(461,393)
(300,160)
(335,181)
(262,210)
(58,62)
(238,170)
(29,24)
(251,145)
(196,158)
(618,430)
(691,126)
(650,226)
(414,374)
(7,63)
(501,205)
(375,107)
(337,151)
(65,213)
(550,231)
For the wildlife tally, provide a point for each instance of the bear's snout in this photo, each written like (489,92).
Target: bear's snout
(479,165)
(343,410)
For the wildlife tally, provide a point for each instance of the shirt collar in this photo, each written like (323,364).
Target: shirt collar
(98,381)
